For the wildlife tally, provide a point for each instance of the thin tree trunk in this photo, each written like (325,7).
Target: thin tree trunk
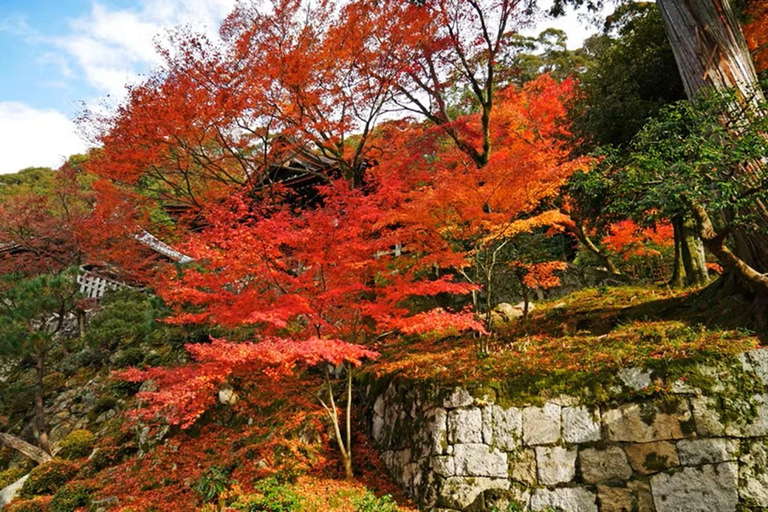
(678,269)
(694,258)
(23,447)
(40,423)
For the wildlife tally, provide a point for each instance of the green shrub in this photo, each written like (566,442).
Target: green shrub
(48,478)
(369,502)
(54,381)
(104,403)
(79,443)
(270,495)
(212,483)
(39,504)
(9,476)
(70,498)
(131,356)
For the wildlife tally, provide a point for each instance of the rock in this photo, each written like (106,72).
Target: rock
(756,425)
(541,425)
(646,421)
(636,497)
(694,452)
(635,378)
(602,465)
(438,430)
(443,465)
(711,488)
(9,493)
(379,405)
(571,499)
(522,467)
(556,465)
(459,492)
(515,498)
(460,397)
(681,387)
(707,417)
(508,311)
(507,427)
(104,504)
(479,460)
(465,426)
(753,474)
(580,425)
(759,363)
(377,427)
(651,458)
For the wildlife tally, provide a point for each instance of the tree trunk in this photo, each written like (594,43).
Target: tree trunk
(678,269)
(709,46)
(693,256)
(40,423)
(23,447)
(710,51)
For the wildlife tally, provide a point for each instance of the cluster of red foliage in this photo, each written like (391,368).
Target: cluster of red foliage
(756,33)
(628,239)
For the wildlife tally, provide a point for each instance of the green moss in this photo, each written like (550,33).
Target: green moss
(70,497)
(654,462)
(78,444)
(9,476)
(48,478)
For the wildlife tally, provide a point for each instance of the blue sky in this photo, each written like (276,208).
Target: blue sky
(58,55)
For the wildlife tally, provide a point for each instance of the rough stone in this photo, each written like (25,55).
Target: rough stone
(648,421)
(487,429)
(465,426)
(460,397)
(8,493)
(572,499)
(479,460)
(651,458)
(522,467)
(754,426)
(507,427)
(711,488)
(227,395)
(753,474)
(706,416)
(694,452)
(438,430)
(635,497)
(635,378)
(459,492)
(580,425)
(759,363)
(601,465)
(443,465)
(541,425)
(556,465)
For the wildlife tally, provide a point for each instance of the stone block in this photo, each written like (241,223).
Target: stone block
(711,488)
(707,416)
(751,426)
(648,421)
(507,427)
(459,492)
(443,465)
(694,452)
(438,430)
(649,458)
(479,460)
(580,425)
(598,465)
(635,497)
(753,474)
(522,467)
(572,499)
(635,378)
(541,425)
(555,465)
(465,426)
(459,397)
(758,360)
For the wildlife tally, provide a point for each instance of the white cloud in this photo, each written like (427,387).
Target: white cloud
(113,47)
(35,137)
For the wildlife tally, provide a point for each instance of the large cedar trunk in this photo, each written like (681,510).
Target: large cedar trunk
(710,51)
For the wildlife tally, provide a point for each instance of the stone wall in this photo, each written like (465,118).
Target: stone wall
(695,444)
